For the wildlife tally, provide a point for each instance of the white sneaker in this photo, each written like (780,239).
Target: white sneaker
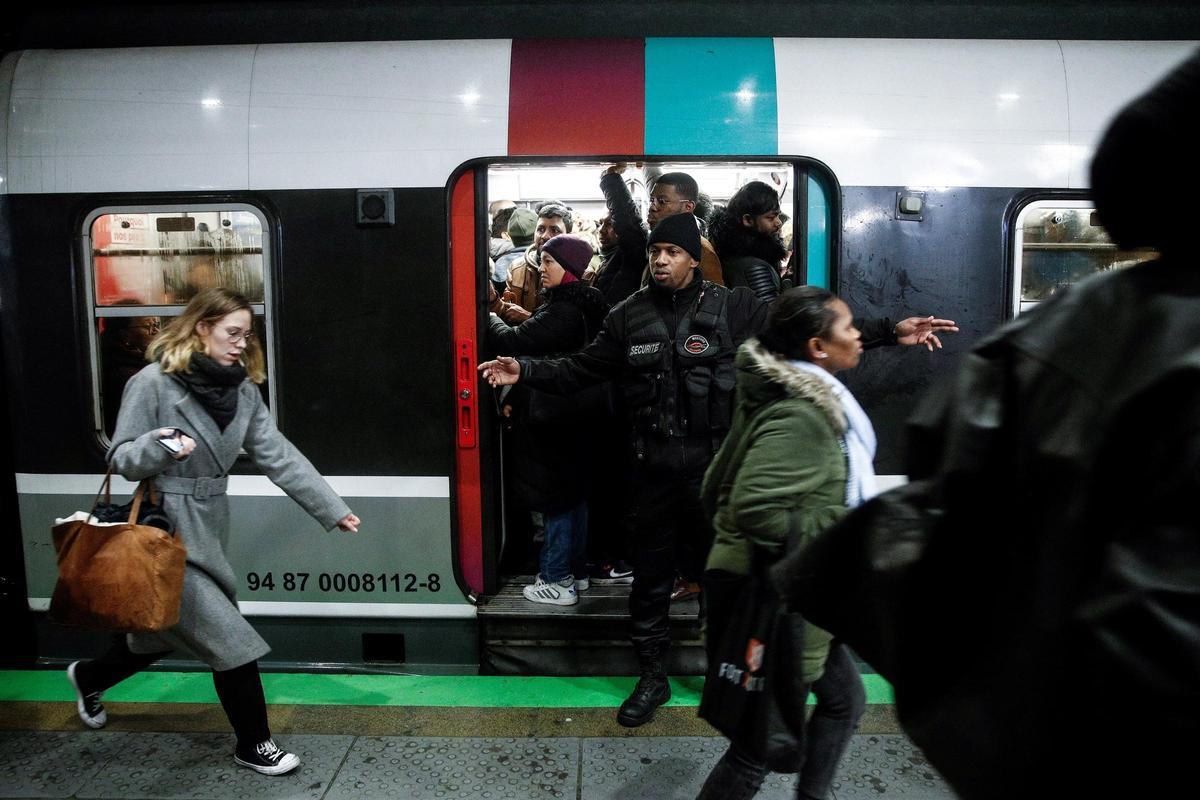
(582,584)
(90,709)
(558,593)
(267,758)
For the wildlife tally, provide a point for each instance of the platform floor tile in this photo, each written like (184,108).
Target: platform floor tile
(53,764)
(888,765)
(660,768)
(440,767)
(199,766)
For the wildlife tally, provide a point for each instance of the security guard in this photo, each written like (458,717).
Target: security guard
(669,348)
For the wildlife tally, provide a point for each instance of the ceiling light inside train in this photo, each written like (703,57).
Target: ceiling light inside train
(469,97)
(211,102)
(745,95)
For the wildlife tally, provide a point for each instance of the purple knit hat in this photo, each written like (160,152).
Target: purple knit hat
(572,252)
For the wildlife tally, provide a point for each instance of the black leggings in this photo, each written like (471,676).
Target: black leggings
(240,689)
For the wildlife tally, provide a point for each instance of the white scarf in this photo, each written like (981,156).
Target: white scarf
(859,438)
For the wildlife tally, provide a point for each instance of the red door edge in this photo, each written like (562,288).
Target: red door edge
(467,488)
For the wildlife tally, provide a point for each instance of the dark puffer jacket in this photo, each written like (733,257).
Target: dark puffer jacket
(749,257)
(549,432)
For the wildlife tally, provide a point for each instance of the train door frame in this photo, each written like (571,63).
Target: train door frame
(477,497)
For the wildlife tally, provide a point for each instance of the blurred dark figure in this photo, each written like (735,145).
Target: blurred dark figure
(1034,594)
(123,344)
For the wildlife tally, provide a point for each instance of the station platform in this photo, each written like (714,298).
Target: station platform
(362,737)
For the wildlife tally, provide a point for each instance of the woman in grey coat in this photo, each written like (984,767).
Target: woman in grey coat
(200,396)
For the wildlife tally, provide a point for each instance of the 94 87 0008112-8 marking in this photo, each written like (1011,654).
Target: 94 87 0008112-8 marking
(343,582)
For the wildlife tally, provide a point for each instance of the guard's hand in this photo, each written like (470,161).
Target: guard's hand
(349,523)
(616,169)
(923,330)
(504,371)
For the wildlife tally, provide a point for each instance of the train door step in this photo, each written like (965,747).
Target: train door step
(518,637)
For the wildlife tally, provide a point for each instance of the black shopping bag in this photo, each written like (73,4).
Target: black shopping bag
(754,691)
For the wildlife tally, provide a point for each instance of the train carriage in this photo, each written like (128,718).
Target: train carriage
(344,188)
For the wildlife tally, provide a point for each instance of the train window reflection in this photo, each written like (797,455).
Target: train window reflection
(145,264)
(1059,243)
(164,259)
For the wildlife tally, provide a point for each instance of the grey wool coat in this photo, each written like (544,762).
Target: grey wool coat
(210,624)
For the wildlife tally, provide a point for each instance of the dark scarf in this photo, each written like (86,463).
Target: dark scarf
(731,239)
(215,386)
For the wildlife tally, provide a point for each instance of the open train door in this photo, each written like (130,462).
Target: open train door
(477,534)
(493,536)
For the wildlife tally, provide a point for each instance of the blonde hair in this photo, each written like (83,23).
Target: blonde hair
(173,347)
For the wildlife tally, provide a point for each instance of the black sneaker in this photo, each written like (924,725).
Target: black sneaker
(88,704)
(267,758)
(618,574)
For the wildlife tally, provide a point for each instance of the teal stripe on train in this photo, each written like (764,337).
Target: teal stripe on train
(818,235)
(714,96)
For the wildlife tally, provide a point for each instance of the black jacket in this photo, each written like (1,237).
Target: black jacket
(748,258)
(621,274)
(548,432)
(1032,595)
(606,358)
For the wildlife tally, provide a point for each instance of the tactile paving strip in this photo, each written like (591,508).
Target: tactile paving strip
(440,767)
(660,768)
(58,764)
(888,766)
(199,766)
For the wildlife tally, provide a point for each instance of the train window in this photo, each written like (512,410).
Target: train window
(144,264)
(1059,243)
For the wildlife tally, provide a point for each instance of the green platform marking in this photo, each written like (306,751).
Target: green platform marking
(324,689)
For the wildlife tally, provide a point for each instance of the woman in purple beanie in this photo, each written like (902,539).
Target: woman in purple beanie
(547,432)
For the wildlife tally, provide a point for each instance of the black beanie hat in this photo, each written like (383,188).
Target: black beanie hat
(573,253)
(678,229)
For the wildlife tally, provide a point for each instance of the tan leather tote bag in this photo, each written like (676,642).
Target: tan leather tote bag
(117,576)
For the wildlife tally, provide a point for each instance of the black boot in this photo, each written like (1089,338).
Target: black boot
(652,691)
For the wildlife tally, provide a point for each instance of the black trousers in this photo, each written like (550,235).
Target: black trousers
(671,534)
(239,689)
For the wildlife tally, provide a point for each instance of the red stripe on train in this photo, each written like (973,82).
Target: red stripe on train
(577,97)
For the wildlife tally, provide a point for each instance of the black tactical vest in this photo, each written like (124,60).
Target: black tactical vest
(680,383)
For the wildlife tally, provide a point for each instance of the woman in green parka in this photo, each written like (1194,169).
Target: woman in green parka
(798,454)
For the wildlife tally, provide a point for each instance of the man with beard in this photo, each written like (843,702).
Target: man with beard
(746,235)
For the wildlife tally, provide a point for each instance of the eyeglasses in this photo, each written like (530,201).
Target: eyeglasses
(663,200)
(235,335)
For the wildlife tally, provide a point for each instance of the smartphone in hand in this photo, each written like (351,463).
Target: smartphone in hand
(174,443)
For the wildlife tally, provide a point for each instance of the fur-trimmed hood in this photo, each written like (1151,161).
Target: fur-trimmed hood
(763,377)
